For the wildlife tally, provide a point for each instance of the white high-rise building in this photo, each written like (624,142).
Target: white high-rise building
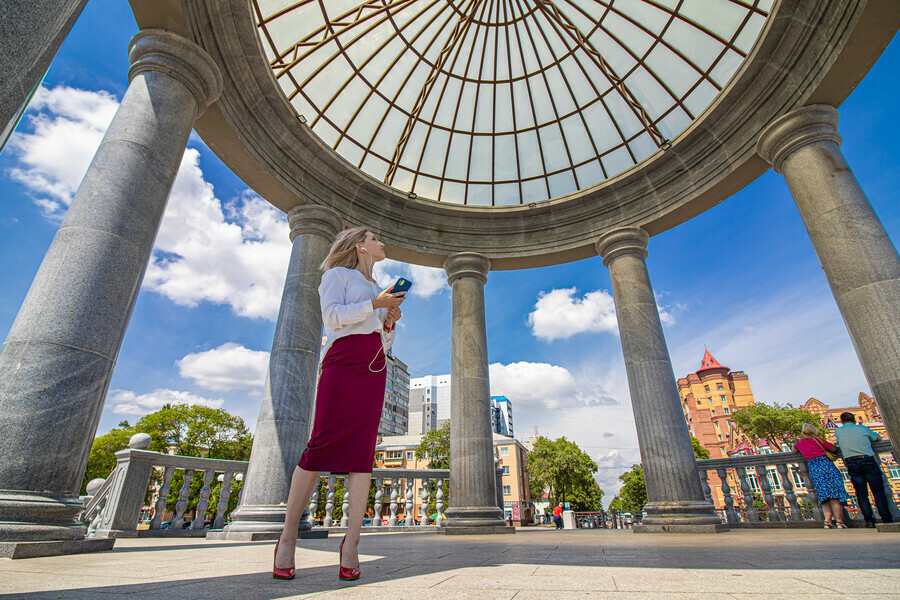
(501,415)
(429,403)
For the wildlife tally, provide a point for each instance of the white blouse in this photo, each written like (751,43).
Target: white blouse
(346,299)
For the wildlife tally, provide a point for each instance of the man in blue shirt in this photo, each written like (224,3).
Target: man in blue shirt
(855,442)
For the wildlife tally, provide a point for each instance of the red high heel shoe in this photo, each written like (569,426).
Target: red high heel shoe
(278,573)
(346,574)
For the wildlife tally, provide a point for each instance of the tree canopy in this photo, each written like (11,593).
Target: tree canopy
(775,423)
(567,471)
(435,445)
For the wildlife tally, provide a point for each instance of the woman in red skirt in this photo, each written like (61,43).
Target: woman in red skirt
(359,320)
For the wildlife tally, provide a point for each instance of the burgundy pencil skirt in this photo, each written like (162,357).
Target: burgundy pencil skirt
(348,407)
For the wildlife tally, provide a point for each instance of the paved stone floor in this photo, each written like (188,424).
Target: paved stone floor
(534,564)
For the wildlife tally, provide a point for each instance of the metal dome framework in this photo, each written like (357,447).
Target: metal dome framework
(503,102)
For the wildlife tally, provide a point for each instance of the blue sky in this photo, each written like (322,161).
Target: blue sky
(741,279)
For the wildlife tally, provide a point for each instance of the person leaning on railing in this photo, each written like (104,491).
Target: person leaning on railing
(855,441)
(825,476)
(359,319)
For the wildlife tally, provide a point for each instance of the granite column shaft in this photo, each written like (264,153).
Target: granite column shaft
(859,260)
(283,426)
(473,505)
(57,361)
(676,501)
(31,32)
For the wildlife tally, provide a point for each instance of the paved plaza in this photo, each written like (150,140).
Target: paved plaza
(534,564)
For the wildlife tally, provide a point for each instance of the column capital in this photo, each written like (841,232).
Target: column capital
(161,51)
(618,242)
(318,220)
(798,128)
(467,264)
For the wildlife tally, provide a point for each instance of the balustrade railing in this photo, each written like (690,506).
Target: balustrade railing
(772,489)
(113,507)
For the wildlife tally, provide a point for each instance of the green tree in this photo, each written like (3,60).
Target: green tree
(775,423)
(435,446)
(567,471)
(633,495)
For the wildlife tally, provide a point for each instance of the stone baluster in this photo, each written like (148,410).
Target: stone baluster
(329,501)
(285,413)
(752,515)
(425,497)
(183,494)
(439,502)
(763,474)
(224,493)
(60,352)
(854,250)
(313,504)
(675,499)
(789,494)
(379,492)
(730,515)
(162,498)
(704,483)
(345,504)
(394,495)
(472,482)
(203,500)
(811,491)
(410,508)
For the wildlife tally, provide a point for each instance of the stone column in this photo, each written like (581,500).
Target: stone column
(56,362)
(858,257)
(473,497)
(31,32)
(283,427)
(676,502)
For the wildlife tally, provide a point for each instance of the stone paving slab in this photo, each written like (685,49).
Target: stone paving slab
(535,564)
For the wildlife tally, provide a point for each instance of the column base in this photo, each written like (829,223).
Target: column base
(474,518)
(54,548)
(39,517)
(888,527)
(263,519)
(680,516)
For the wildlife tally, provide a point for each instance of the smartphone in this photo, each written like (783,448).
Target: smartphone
(402,285)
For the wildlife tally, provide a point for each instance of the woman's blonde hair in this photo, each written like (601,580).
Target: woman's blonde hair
(343,250)
(809,430)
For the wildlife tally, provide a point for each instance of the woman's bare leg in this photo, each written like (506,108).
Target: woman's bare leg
(826,508)
(302,484)
(837,510)
(358,485)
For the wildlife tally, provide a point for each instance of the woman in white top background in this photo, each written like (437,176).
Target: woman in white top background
(359,320)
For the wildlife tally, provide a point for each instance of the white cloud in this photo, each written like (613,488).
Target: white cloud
(126,402)
(542,385)
(67,125)
(228,367)
(427,281)
(233,253)
(558,314)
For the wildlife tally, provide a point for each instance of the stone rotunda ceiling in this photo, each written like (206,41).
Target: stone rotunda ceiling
(502,102)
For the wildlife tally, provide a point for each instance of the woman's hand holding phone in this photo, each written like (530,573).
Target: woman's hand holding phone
(387,299)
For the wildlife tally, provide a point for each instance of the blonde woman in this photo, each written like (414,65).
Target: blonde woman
(359,320)
(825,476)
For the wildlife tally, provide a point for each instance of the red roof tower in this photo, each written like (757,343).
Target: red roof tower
(709,363)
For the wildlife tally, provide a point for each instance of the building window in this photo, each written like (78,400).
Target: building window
(504,451)
(719,386)
(713,412)
(720,437)
(710,400)
(723,398)
(727,412)
(894,471)
(844,475)
(706,388)
(507,490)
(698,401)
(506,469)
(409,456)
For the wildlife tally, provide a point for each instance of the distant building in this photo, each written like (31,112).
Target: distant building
(395,413)
(709,397)
(399,452)
(429,403)
(501,415)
